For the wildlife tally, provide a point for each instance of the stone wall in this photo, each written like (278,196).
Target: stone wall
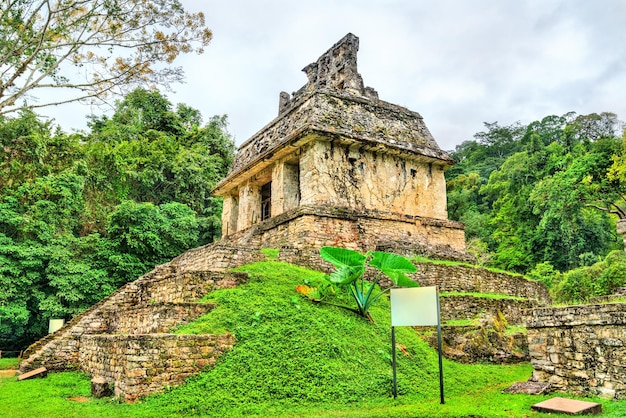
(580,349)
(337,175)
(464,278)
(142,364)
(221,255)
(307,228)
(469,307)
(157,317)
(171,284)
(139,306)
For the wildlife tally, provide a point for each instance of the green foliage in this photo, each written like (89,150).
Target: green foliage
(545,273)
(156,233)
(300,358)
(350,274)
(57,279)
(8,363)
(532,193)
(148,152)
(480,250)
(82,214)
(271,253)
(599,279)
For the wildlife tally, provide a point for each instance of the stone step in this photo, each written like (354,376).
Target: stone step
(466,278)
(172,286)
(153,318)
(568,406)
(163,286)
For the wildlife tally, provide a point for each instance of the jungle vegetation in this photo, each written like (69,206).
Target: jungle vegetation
(543,199)
(83,213)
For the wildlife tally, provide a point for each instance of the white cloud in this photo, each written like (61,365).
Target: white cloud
(458,63)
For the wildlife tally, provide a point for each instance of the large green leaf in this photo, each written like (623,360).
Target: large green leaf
(342,257)
(394,266)
(346,274)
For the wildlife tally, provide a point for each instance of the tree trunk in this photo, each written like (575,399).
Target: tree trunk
(621,230)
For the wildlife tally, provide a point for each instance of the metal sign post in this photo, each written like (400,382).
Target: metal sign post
(416,306)
(439,348)
(393,361)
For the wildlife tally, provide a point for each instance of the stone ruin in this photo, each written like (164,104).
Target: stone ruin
(339,166)
(580,349)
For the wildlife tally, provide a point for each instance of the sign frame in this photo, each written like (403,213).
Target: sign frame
(416,306)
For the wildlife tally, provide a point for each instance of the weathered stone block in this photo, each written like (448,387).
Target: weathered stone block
(101,388)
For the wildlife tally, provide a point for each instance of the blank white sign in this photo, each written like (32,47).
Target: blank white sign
(414,306)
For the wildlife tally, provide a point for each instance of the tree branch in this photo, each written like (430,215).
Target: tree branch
(77,32)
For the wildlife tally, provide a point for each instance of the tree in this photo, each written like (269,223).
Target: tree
(82,214)
(112,45)
(149,152)
(154,233)
(609,192)
(528,191)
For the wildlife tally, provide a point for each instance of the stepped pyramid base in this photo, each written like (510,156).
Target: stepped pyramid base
(125,339)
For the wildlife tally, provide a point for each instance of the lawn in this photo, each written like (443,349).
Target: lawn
(296,358)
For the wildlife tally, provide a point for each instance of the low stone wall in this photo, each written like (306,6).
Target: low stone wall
(168,284)
(463,278)
(580,349)
(362,230)
(154,318)
(300,232)
(468,307)
(59,351)
(219,256)
(139,365)
(484,343)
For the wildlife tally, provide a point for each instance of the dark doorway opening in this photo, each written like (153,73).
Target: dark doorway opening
(266,201)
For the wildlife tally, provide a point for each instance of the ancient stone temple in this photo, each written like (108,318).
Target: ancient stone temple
(339,166)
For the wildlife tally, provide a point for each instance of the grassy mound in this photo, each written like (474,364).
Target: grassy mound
(294,355)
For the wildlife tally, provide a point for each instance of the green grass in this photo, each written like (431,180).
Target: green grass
(615,300)
(461,322)
(271,254)
(514,329)
(296,358)
(8,363)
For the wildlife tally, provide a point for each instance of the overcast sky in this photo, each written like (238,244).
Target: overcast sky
(457,63)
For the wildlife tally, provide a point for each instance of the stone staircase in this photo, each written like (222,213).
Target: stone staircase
(125,340)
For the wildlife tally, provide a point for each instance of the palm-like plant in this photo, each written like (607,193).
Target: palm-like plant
(350,273)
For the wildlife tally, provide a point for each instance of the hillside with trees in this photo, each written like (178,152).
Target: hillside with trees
(544,199)
(81,214)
